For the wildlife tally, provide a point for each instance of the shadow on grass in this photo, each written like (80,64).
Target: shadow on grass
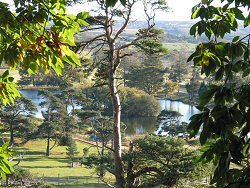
(32,166)
(69,180)
(35,153)
(61,160)
(89,185)
(44,158)
(31,159)
(25,151)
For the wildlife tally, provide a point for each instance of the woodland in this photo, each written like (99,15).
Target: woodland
(90,72)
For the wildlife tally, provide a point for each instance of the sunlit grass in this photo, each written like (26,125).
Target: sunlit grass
(57,166)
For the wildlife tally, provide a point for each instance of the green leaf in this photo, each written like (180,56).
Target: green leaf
(206,131)
(5,74)
(196,13)
(219,73)
(238,51)
(193,29)
(246,72)
(191,57)
(236,38)
(111,3)
(83,22)
(10,79)
(239,16)
(83,15)
(220,48)
(123,2)
(246,148)
(247,21)
(195,124)
(207,95)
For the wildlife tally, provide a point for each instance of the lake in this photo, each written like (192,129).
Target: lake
(137,126)
(134,126)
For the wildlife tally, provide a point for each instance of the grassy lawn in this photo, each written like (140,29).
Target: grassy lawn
(56,167)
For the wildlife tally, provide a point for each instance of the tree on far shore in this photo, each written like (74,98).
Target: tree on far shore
(16,114)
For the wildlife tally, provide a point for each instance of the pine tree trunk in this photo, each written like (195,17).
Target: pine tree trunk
(48,145)
(11,135)
(119,170)
(48,136)
(130,175)
(112,83)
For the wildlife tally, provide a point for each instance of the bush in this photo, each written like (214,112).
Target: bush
(65,140)
(21,174)
(167,158)
(134,102)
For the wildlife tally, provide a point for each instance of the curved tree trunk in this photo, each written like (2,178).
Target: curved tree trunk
(119,170)
(113,59)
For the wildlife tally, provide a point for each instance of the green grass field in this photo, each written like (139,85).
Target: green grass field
(56,168)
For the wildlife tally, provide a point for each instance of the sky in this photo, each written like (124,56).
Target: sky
(180,10)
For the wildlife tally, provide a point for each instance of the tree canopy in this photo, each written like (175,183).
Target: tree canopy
(224,119)
(34,35)
(37,34)
(17,114)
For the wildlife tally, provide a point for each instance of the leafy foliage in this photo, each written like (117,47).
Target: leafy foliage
(158,161)
(28,41)
(148,77)
(18,114)
(101,131)
(8,91)
(193,86)
(5,166)
(170,87)
(72,152)
(224,125)
(170,123)
(136,103)
(52,117)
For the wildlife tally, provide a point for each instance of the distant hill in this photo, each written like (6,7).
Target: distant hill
(178,31)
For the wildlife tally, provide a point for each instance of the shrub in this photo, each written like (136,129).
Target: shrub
(134,102)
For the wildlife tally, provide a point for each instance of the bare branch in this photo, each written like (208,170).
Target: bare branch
(130,5)
(90,29)
(125,55)
(90,143)
(136,39)
(147,170)
(99,37)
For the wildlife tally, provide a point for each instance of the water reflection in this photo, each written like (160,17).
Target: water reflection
(135,126)
(185,109)
(33,95)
